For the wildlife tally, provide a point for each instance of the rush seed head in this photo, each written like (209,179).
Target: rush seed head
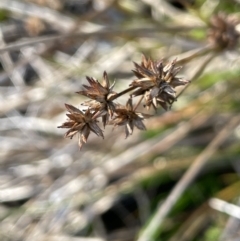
(155,83)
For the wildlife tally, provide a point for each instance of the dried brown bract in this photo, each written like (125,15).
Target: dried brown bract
(126,116)
(156,81)
(222,33)
(101,97)
(80,123)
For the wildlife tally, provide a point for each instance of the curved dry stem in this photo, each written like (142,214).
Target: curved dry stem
(199,71)
(138,103)
(122,93)
(190,55)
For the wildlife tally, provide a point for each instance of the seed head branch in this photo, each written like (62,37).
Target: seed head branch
(155,83)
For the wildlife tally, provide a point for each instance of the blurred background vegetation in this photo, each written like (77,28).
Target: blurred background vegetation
(177,181)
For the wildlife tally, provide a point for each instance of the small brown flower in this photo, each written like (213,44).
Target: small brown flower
(156,81)
(222,33)
(126,116)
(80,123)
(101,97)
(163,96)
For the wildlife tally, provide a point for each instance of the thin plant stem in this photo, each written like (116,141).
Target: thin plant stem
(138,103)
(197,53)
(122,93)
(199,71)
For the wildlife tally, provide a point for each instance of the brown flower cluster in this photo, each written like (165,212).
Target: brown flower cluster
(156,82)
(222,33)
(80,123)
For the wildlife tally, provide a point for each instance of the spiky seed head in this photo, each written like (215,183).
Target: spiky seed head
(222,32)
(81,123)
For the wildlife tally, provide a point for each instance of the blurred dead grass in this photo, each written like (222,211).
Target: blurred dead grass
(51,191)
